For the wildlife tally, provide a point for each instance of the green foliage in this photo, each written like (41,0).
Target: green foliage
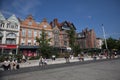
(44,46)
(118,45)
(10,57)
(112,44)
(77,49)
(71,35)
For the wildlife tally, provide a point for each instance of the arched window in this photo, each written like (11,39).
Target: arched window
(11,35)
(2,24)
(16,26)
(8,25)
(11,38)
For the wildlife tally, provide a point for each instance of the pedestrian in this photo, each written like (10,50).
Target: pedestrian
(79,57)
(53,57)
(67,58)
(44,62)
(41,61)
(6,65)
(14,62)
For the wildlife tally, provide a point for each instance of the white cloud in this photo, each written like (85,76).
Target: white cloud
(6,12)
(26,6)
(89,17)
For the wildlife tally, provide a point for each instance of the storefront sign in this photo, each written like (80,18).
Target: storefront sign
(8,46)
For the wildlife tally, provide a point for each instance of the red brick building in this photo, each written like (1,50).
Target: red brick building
(29,30)
(87,39)
(61,39)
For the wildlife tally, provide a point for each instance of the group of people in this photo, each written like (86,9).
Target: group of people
(10,65)
(81,57)
(42,61)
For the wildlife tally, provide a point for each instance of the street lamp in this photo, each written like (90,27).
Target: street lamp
(105,38)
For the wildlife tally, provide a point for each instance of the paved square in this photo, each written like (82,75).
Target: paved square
(106,70)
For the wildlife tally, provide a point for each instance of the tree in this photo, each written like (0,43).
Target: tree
(77,49)
(44,46)
(118,45)
(71,35)
(111,44)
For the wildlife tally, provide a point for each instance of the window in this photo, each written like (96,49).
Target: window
(8,25)
(29,43)
(49,34)
(56,32)
(0,40)
(40,32)
(22,43)
(10,41)
(11,35)
(23,32)
(29,33)
(16,26)
(30,23)
(35,33)
(1,35)
(2,24)
(34,43)
(45,26)
(12,26)
(65,36)
(65,43)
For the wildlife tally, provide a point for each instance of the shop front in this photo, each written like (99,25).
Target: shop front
(8,49)
(29,51)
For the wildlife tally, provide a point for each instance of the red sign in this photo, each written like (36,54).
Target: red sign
(8,46)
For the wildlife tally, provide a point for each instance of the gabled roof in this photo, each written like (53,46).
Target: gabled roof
(30,17)
(45,25)
(55,28)
(68,24)
(13,18)
(1,16)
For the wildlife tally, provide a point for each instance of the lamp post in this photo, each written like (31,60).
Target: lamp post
(104,36)
(105,39)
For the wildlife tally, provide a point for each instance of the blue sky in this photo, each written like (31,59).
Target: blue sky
(83,13)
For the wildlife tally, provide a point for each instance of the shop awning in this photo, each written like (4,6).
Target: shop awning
(8,46)
(28,47)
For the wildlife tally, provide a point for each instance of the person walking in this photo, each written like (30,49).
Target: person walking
(41,61)
(14,62)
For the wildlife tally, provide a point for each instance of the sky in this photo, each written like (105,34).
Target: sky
(83,14)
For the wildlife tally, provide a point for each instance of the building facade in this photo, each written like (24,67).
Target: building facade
(9,34)
(61,38)
(29,30)
(86,39)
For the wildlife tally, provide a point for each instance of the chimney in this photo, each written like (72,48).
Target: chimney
(44,20)
(55,21)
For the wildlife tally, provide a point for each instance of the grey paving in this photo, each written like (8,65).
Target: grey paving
(104,70)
